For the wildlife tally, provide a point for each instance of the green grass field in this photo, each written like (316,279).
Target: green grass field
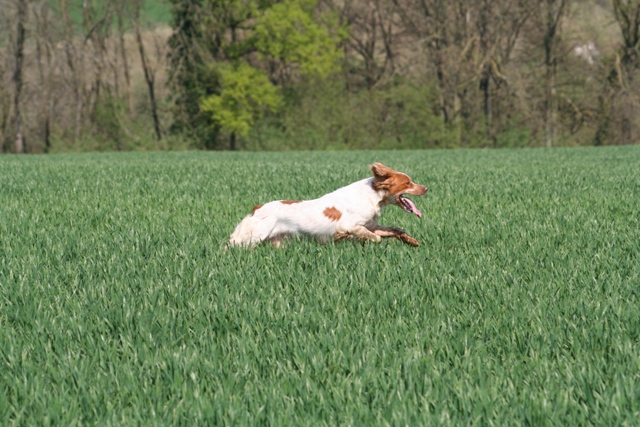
(152,11)
(118,304)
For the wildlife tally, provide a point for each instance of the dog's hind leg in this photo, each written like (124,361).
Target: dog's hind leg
(252,231)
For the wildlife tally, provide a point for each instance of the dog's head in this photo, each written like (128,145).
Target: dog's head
(396,185)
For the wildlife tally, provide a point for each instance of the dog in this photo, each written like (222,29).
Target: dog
(348,213)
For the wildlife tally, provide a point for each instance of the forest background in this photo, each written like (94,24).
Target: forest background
(84,75)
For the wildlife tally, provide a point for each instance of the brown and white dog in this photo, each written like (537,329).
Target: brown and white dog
(350,212)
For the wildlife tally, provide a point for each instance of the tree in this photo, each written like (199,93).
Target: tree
(281,40)
(497,25)
(75,65)
(619,99)
(44,47)
(120,16)
(439,29)
(370,47)
(189,77)
(551,13)
(149,75)
(245,94)
(627,14)
(468,44)
(21,19)
(288,33)
(4,106)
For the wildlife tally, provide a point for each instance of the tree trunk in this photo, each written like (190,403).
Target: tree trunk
(553,12)
(43,49)
(17,75)
(149,77)
(485,82)
(232,142)
(123,54)
(487,46)
(549,94)
(71,56)
(5,102)
(96,26)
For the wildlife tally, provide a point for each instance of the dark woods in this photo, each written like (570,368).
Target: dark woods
(307,74)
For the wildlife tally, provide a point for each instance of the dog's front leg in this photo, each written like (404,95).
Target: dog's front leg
(387,231)
(397,233)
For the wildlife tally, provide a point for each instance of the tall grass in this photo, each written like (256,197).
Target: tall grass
(118,304)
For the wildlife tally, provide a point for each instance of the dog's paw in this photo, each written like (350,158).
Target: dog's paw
(409,240)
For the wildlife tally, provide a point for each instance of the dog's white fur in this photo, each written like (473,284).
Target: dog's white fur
(350,212)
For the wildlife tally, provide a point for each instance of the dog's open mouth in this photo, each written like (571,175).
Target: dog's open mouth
(408,205)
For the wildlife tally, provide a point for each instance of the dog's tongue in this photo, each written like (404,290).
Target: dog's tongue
(411,207)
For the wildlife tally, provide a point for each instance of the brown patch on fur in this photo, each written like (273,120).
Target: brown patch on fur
(332,213)
(289,202)
(255,208)
(399,183)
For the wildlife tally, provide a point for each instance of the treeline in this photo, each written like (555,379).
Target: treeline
(316,74)
(80,75)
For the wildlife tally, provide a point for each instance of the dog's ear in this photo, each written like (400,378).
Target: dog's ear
(381,171)
(381,175)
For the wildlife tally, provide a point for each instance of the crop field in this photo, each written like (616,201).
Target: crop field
(119,304)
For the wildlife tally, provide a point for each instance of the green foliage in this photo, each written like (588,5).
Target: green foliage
(190,76)
(322,114)
(289,32)
(106,118)
(288,37)
(245,93)
(114,129)
(226,21)
(513,137)
(119,306)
